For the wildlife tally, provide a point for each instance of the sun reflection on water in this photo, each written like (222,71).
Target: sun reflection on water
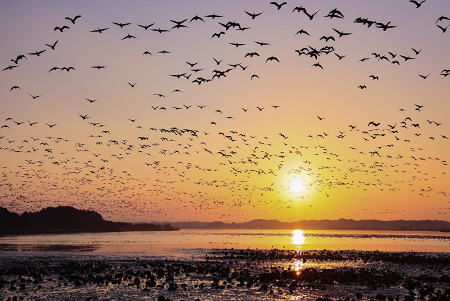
(298,266)
(297,237)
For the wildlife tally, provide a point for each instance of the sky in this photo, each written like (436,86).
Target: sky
(276,116)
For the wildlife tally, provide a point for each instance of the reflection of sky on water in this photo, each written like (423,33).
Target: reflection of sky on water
(173,242)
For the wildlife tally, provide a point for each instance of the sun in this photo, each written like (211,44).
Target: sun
(297,186)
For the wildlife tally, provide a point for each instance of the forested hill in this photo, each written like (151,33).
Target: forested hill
(67,220)
(340,224)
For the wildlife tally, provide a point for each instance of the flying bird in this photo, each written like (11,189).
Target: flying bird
(418,4)
(73,19)
(217,34)
(37,53)
(253,15)
(52,46)
(327,38)
(129,36)
(262,43)
(301,31)
(121,25)
(34,96)
(384,26)
(272,58)
(341,33)
(279,6)
(424,76)
(99,30)
(146,27)
(444,29)
(84,117)
(61,29)
(196,18)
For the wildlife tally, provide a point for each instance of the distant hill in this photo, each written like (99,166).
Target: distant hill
(66,220)
(340,224)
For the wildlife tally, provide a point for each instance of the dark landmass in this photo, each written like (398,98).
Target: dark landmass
(58,220)
(340,224)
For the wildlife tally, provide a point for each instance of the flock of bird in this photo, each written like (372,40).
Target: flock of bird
(153,170)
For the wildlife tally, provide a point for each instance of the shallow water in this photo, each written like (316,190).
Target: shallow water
(187,243)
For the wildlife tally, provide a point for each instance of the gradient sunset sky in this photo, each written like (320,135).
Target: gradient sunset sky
(282,138)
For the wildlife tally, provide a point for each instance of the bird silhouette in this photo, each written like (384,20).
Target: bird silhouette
(37,53)
(279,6)
(160,30)
(121,25)
(444,29)
(416,52)
(418,4)
(217,34)
(237,44)
(335,13)
(52,46)
(251,54)
(129,36)
(341,33)
(317,65)
(340,57)
(213,16)
(384,26)
(73,19)
(327,38)
(34,96)
(196,18)
(61,29)
(272,58)
(100,30)
(146,27)
(301,31)
(253,15)
(262,43)
(54,68)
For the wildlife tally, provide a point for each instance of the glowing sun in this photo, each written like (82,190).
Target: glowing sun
(297,186)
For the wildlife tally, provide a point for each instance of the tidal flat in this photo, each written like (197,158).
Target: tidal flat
(229,274)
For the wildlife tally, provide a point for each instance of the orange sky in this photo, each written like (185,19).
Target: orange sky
(234,159)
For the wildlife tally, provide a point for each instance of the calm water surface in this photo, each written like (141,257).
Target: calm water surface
(189,242)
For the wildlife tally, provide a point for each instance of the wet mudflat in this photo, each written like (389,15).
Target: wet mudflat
(229,274)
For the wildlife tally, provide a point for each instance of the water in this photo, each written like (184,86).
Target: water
(225,265)
(185,243)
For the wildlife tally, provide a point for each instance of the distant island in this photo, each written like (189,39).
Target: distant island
(340,224)
(65,219)
(59,220)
